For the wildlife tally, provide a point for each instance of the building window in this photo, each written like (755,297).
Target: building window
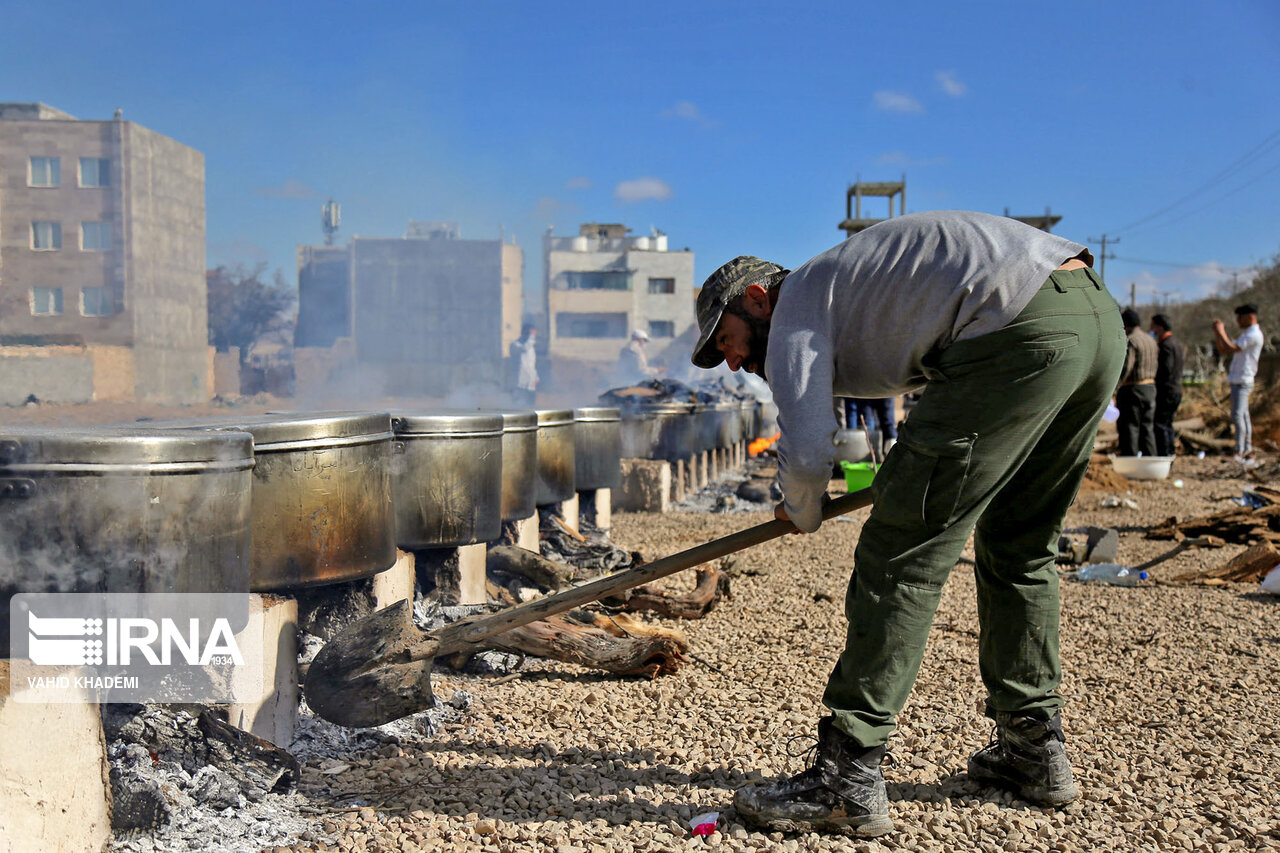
(569,325)
(95,172)
(46,236)
(662,328)
(46,300)
(94,302)
(597,280)
(95,236)
(45,172)
(662,285)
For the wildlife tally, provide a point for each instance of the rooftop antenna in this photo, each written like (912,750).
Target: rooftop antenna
(330,219)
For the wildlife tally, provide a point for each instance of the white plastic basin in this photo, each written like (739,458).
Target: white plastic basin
(1142,467)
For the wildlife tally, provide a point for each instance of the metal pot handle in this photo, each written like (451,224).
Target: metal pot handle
(17,487)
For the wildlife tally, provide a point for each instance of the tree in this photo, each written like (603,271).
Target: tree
(243,307)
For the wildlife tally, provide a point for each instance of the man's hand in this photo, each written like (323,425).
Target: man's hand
(780,513)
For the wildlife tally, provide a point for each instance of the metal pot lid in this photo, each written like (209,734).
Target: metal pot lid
(292,430)
(513,420)
(596,413)
(55,449)
(524,420)
(554,417)
(447,422)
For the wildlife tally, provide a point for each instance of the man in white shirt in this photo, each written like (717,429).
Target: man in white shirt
(524,359)
(1244,351)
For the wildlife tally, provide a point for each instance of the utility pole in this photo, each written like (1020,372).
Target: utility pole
(1102,255)
(1133,294)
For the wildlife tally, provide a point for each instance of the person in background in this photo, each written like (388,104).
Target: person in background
(633,360)
(876,413)
(1244,351)
(1168,383)
(1018,346)
(524,356)
(1136,395)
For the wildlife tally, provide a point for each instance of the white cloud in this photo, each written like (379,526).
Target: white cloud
(688,111)
(579,183)
(292,189)
(642,189)
(951,84)
(1181,284)
(896,102)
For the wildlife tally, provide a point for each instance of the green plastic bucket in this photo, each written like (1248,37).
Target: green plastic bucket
(857,475)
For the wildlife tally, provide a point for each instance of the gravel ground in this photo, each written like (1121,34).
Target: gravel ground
(1172,721)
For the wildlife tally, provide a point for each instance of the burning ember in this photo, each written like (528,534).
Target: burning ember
(760,445)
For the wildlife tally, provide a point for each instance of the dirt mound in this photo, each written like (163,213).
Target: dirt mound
(1101,477)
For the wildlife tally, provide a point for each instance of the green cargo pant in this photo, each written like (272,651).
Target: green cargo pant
(1000,440)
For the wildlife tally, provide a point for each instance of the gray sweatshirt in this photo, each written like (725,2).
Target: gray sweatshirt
(859,320)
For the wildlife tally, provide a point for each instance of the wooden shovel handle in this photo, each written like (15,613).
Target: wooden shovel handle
(473,629)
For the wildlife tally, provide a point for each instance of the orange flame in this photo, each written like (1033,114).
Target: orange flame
(760,445)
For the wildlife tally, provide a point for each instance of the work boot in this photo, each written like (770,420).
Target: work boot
(842,790)
(1027,755)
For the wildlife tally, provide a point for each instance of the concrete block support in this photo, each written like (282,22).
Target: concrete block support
(646,485)
(396,583)
(457,574)
(527,533)
(272,637)
(53,775)
(678,480)
(569,512)
(471,560)
(603,506)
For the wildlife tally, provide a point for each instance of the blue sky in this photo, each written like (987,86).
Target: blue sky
(733,127)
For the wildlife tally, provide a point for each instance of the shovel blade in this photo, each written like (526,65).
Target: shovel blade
(378,669)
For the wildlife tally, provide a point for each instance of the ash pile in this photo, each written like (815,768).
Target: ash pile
(631,398)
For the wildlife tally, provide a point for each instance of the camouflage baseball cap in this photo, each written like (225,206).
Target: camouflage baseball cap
(722,287)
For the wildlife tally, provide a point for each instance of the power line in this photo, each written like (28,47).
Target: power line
(1263,148)
(1222,197)
(1172,263)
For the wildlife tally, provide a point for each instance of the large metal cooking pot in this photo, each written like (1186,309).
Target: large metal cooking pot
(597,448)
(556,476)
(705,427)
(728,420)
(519,464)
(321,495)
(750,417)
(663,430)
(122,510)
(447,478)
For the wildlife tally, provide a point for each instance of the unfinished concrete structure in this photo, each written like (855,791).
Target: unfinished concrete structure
(854,221)
(603,284)
(102,261)
(426,314)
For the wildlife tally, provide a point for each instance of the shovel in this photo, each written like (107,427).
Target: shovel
(378,669)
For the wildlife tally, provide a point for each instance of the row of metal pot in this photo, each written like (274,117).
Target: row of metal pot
(276,502)
(673,430)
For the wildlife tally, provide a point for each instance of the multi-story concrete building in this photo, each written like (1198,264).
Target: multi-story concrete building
(603,284)
(102,261)
(426,314)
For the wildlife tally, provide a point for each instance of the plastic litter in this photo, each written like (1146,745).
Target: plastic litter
(1111,415)
(1177,484)
(1271,583)
(704,824)
(1249,498)
(1112,573)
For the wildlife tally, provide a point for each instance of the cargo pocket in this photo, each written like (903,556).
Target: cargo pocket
(923,478)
